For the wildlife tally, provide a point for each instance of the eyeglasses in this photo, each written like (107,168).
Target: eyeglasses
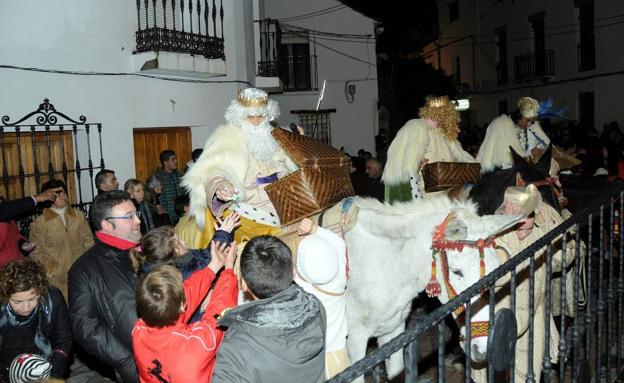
(133,215)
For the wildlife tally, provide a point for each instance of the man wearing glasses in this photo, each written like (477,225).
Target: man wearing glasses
(102,285)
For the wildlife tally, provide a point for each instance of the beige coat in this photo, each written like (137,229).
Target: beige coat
(513,245)
(59,245)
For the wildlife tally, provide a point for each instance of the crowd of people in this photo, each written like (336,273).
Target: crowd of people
(158,286)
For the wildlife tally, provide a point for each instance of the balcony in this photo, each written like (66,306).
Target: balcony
(180,36)
(283,66)
(534,66)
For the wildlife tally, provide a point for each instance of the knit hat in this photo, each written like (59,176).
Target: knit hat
(528,107)
(29,368)
(317,260)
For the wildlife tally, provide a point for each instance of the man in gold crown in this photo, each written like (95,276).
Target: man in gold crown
(428,139)
(520,130)
(238,161)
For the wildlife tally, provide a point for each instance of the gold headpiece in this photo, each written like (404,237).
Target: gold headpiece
(523,199)
(528,107)
(250,101)
(437,102)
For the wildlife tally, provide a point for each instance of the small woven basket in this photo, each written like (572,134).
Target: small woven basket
(446,175)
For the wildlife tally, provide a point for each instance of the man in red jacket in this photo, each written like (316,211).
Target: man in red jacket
(166,347)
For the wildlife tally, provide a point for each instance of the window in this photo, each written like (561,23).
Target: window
(501,65)
(457,71)
(586,46)
(502,107)
(539,42)
(453,10)
(316,124)
(586,109)
(297,67)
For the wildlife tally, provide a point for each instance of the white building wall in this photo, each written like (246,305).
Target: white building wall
(98,36)
(354,125)
(480,19)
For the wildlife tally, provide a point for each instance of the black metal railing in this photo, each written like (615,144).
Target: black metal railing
(270,40)
(190,26)
(534,65)
(47,144)
(591,345)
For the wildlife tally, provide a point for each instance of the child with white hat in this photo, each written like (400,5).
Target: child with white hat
(322,271)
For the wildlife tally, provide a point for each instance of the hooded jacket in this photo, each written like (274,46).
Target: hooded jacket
(278,339)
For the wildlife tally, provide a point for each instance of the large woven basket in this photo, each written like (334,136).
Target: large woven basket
(321,181)
(446,175)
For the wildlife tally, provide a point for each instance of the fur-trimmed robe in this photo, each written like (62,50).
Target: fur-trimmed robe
(500,135)
(415,141)
(225,157)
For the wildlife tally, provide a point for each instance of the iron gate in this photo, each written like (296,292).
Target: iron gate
(46,144)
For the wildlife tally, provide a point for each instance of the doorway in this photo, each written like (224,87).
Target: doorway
(149,142)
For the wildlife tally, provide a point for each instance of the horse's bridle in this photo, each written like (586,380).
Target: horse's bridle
(439,246)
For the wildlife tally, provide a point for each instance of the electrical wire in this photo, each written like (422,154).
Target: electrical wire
(315,13)
(335,50)
(121,74)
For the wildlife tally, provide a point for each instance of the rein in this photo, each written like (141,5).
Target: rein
(439,247)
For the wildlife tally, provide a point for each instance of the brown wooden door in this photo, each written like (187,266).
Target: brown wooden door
(149,142)
(46,158)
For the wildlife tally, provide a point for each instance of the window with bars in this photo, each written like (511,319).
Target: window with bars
(316,124)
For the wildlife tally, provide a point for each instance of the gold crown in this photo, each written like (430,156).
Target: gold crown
(437,102)
(251,102)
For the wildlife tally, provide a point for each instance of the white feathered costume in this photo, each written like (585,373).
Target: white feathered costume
(414,142)
(501,134)
(227,157)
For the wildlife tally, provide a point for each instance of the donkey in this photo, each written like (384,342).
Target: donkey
(390,253)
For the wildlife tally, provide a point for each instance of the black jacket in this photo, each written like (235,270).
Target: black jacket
(19,337)
(13,208)
(102,309)
(278,340)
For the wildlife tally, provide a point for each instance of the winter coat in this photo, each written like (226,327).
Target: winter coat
(102,309)
(50,320)
(59,244)
(278,339)
(157,350)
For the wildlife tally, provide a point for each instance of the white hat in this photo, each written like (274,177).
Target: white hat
(528,107)
(29,368)
(317,260)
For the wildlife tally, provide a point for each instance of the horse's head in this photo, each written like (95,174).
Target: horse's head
(463,249)
(538,174)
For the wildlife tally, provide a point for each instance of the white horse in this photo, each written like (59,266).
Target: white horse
(390,257)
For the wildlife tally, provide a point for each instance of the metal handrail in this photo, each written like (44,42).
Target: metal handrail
(370,361)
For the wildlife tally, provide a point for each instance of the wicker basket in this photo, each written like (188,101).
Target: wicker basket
(321,181)
(446,175)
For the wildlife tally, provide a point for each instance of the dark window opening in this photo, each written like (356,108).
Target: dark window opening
(296,67)
(586,109)
(453,10)
(586,46)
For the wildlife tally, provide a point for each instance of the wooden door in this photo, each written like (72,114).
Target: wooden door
(42,155)
(149,142)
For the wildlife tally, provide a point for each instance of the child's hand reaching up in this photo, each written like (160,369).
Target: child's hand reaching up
(306,226)
(229,223)
(222,255)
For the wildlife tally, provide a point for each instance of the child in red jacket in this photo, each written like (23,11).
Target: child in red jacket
(166,347)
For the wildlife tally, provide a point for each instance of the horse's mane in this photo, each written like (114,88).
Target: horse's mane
(489,192)
(429,205)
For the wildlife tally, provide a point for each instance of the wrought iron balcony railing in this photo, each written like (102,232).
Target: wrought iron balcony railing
(534,65)
(180,26)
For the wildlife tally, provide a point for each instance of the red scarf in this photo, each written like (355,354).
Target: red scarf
(116,242)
